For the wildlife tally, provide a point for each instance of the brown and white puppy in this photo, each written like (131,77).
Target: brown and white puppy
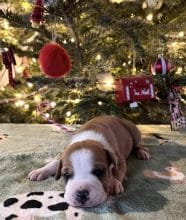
(94,163)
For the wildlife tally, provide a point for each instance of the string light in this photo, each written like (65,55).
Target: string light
(124,64)
(144,5)
(26,106)
(68,114)
(34,113)
(72,40)
(19,103)
(34,59)
(117,1)
(179,70)
(181,34)
(76,101)
(98,57)
(37,98)
(149,17)
(26,6)
(53,104)
(18,95)
(47,115)
(100,103)
(5,24)
(30,85)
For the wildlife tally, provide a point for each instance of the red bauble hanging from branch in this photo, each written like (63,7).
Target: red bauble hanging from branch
(161,66)
(37,13)
(54,60)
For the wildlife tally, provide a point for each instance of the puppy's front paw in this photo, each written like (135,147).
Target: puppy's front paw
(116,187)
(38,174)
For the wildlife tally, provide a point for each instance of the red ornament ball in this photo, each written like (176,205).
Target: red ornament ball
(161,66)
(54,60)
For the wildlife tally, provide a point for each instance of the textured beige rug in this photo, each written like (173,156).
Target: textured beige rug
(155,189)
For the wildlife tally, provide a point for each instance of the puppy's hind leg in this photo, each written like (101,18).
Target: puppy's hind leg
(141,152)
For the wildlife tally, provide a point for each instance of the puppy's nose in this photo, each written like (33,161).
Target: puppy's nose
(82,196)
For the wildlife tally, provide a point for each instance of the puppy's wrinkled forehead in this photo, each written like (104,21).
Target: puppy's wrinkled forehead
(85,153)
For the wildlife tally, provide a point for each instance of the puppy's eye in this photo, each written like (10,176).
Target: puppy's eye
(67,176)
(98,172)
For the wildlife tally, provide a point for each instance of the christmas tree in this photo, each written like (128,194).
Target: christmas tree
(105,40)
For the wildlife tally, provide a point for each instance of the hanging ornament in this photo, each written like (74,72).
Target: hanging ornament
(155,4)
(37,13)
(133,89)
(54,60)
(161,66)
(26,71)
(105,81)
(178,120)
(9,62)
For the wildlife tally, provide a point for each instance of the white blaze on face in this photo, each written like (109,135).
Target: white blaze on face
(82,161)
(83,179)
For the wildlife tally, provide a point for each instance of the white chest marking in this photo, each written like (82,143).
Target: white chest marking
(82,161)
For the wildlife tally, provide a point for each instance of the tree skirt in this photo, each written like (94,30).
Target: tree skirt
(154,189)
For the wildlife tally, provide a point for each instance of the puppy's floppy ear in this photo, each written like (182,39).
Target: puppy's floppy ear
(58,173)
(112,159)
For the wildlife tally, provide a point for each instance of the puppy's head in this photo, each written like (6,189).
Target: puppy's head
(85,167)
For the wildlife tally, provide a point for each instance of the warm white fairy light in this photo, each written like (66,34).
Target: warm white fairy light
(47,115)
(179,70)
(149,17)
(76,101)
(30,85)
(72,40)
(129,62)
(144,5)
(124,64)
(68,114)
(5,24)
(34,59)
(181,34)
(117,1)
(18,95)
(53,104)
(19,103)
(37,98)
(76,91)
(98,57)
(100,103)
(34,113)
(26,106)
(26,6)
(64,41)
